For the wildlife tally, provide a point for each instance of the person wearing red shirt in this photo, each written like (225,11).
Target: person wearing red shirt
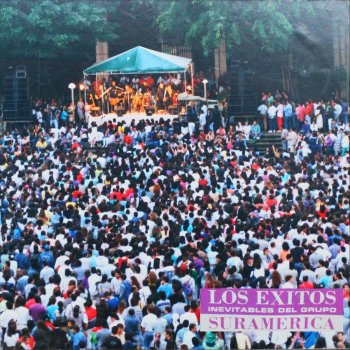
(300,111)
(128,193)
(77,194)
(27,340)
(80,177)
(30,301)
(195,310)
(306,284)
(309,109)
(76,147)
(128,140)
(91,313)
(255,166)
(323,211)
(203,182)
(271,201)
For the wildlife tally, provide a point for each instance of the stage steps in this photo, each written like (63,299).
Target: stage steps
(266,140)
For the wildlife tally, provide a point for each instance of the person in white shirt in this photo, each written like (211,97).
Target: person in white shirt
(190,316)
(263,110)
(116,282)
(280,109)
(289,284)
(336,110)
(92,280)
(148,325)
(46,272)
(8,315)
(202,121)
(271,112)
(189,335)
(240,341)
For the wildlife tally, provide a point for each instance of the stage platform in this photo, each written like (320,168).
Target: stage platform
(128,118)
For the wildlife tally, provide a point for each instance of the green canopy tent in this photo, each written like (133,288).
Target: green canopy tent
(140,60)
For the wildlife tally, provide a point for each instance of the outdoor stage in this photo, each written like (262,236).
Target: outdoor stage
(128,118)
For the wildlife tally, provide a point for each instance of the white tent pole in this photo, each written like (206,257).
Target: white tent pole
(185,80)
(192,80)
(84,89)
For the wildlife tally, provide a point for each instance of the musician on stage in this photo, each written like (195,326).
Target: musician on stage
(175,82)
(135,83)
(129,95)
(114,91)
(144,87)
(113,95)
(137,102)
(98,98)
(147,99)
(160,96)
(168,94)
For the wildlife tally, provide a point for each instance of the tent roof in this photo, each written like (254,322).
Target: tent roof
(140,60)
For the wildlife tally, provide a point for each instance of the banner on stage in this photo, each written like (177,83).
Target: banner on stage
(271,309)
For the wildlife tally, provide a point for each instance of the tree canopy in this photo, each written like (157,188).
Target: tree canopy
(51,28)
(269,24)
(265,33)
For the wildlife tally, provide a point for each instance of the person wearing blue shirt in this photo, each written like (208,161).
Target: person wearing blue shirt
(79,338)
(255,130)
(345,111)
(132,326)
(46,256)
(22,259)
(165,286)
(112,301)
(64,117)
(306,128)
(327,280)
(288,112)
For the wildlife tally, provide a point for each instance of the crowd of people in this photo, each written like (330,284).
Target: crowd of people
(108,233)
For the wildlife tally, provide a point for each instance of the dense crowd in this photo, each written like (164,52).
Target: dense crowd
(108,233)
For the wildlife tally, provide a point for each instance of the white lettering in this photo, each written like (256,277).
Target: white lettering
(261,297)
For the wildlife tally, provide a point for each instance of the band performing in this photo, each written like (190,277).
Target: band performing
(133,94)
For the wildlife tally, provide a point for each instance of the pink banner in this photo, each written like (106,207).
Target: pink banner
(268,309)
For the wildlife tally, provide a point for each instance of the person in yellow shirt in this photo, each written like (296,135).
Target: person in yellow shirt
(41,144)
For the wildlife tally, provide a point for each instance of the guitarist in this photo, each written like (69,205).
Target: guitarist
(168,93)
(160,95)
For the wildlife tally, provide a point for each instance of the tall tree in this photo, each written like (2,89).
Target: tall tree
(51,28)
(264,32)
(54,38)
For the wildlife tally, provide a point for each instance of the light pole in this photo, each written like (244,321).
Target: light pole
(72,86)
(81,89)
(205,82)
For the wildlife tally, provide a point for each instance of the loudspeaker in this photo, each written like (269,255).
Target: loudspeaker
(120,111)
(16,104)
(172,109)
(150,110)
(243,96)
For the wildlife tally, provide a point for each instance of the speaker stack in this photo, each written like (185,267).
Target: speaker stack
(16,105)
(243,96)
(150,110)
(173,109)
(120,111)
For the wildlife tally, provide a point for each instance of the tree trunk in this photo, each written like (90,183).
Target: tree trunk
(220,60)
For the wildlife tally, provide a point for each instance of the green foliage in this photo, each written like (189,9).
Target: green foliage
(52,28)
(269,24)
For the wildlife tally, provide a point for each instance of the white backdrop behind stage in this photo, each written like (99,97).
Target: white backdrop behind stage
(128,118)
